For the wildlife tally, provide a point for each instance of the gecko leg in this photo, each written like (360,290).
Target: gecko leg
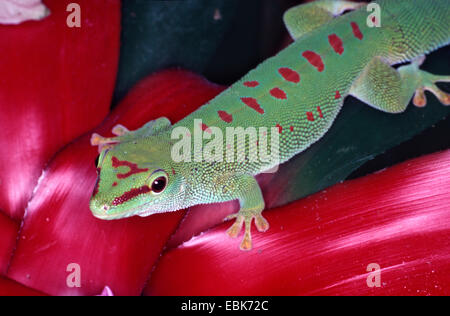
(304,18)
(390,90)
(252,204)
(123,134)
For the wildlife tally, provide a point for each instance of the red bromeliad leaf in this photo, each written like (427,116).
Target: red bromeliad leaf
(59,228)
(56,83)
(323,244)
(11,288)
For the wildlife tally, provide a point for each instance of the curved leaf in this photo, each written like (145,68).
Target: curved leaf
(56,83)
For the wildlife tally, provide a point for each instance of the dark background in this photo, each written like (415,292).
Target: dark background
(190,34)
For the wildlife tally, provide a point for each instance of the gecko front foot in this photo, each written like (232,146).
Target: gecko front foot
(246,217)
(109,142)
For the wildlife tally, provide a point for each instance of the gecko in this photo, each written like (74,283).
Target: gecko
(299,92)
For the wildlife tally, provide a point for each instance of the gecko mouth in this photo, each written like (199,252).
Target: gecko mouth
(106,212)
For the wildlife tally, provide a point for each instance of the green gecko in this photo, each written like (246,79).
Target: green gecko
(300,92)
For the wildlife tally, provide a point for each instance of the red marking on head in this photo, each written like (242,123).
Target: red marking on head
(319,111)
(336,43)
(224,116)
(314,59)
(251,84)
(356,31)
(278,93)
(205,128)
(173,171)
(253,103)
(280,128)
(291,128)
(116,163)
(114,184)
(310,116)
(130,194)
(337,95)
(289,75)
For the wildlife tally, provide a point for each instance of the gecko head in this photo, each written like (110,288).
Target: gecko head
(136,178)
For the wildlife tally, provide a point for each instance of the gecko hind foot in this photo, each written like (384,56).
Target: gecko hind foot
(424,81)
(245,218)
(429,84)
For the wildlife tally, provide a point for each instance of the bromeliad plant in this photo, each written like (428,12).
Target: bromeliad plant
(57,90)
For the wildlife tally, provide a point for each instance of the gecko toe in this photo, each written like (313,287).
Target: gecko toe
(261,223)
(246,243)
(235,229)
(120,130)
(420,100)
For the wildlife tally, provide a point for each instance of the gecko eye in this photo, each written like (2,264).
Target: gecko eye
(159,184)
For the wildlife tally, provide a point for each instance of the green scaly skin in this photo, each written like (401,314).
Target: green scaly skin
(299,92)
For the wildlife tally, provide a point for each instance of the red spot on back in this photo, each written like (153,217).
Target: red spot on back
(253,103)
(310,116)
(114,184)
(336,43)
(319,111)
(291,128)
(280,128)
(356,31)
(337,95)
(251,84)
(314,59)
(173,171)
(278,93)
(116,163)
(130,194)
(225,116)
(289,75)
